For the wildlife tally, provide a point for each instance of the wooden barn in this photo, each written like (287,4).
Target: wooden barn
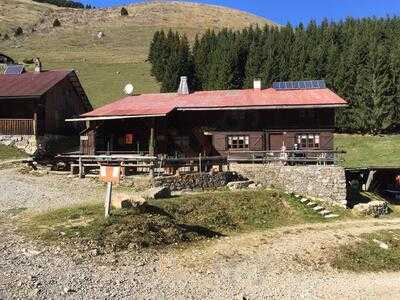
(37,103)
(296,115)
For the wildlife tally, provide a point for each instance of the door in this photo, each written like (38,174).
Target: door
(276,141)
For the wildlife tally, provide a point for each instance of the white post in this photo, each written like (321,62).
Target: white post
(107,203)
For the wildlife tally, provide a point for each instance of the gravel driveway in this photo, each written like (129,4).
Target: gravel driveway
(285,263)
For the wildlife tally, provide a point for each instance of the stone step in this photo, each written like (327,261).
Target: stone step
(312,204)
(331,216)
(325,212)
(304,200)
(318,208)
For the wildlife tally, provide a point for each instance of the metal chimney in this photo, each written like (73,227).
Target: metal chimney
(183,86)
(257,84)
(38,65)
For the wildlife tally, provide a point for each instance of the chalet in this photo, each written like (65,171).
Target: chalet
(34,105)
(295,115)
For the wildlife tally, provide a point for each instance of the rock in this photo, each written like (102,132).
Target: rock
(382,244)
(253,186)
(158,193)
(373,208)
(238,185)
(125,201)
(68,290)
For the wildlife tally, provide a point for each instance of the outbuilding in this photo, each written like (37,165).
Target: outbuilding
(34,106)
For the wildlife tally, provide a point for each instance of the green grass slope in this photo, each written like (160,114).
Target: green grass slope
(105,65)
(366,150)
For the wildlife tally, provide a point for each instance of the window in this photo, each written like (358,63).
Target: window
(238,142)
(308,140)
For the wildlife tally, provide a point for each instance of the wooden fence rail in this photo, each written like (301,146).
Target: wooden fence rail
(17,127)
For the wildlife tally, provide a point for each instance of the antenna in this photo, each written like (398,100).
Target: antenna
(128,89)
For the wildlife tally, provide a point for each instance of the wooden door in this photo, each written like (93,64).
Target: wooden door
(276,141)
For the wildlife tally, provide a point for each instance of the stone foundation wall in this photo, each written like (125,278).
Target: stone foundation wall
(324,182)
(26,143)
(30,144)
(196,181)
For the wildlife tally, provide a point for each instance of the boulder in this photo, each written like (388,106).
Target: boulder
(373,208)
(238,185)
(124,200)
(158,193)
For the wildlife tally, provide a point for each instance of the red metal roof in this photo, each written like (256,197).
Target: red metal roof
(30,83)
(162,104)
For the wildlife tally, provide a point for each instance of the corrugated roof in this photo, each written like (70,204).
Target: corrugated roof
(162,104)
(30,83)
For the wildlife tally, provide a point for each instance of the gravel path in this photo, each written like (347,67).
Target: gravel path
(18,191)
(285,263)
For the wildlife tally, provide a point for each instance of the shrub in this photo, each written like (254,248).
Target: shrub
(56,23)
(6,37)
(18,31)
(124,12)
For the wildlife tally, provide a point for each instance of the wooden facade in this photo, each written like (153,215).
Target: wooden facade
(44,114)
(216,132)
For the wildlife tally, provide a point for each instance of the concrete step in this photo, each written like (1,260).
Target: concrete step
(312,204)
(318,208)
(331,216)
(325,212)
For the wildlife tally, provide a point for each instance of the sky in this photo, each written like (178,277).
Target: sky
(296,11)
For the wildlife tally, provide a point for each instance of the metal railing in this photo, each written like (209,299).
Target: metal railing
(292,157)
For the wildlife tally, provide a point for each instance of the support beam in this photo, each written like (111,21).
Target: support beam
(152,137)
(369,180)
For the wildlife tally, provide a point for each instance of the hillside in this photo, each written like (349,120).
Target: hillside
(105,65)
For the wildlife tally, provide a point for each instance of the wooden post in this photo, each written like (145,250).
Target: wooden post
(152,137)
(35,123)
(80,167)
(107,201)
(152,144)
(200,166)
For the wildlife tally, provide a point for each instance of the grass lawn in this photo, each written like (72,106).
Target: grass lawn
(164,222)
(7,153)
(365,150)
(367,256)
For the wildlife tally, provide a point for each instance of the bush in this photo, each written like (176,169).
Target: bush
(6,37)
(56,23)
(124,12)
(18,31)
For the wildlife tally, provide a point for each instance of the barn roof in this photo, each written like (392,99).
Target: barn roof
(161,104)
(30,84)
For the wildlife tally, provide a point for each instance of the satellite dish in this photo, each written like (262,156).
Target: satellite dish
(128,89)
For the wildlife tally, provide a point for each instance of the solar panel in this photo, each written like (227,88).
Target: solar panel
(299,85)
(14,70)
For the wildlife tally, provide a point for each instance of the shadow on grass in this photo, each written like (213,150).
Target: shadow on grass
(199,230)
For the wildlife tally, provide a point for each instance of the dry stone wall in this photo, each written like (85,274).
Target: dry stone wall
(26,143)
(324,182)
(30,144)
(197,181)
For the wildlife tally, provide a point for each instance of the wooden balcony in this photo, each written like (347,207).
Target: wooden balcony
(17,127)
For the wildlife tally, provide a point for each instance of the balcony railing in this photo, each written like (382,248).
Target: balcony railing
(295,157)
(17,127)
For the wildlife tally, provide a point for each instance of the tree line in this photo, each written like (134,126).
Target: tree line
(359,59)
(66,3)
